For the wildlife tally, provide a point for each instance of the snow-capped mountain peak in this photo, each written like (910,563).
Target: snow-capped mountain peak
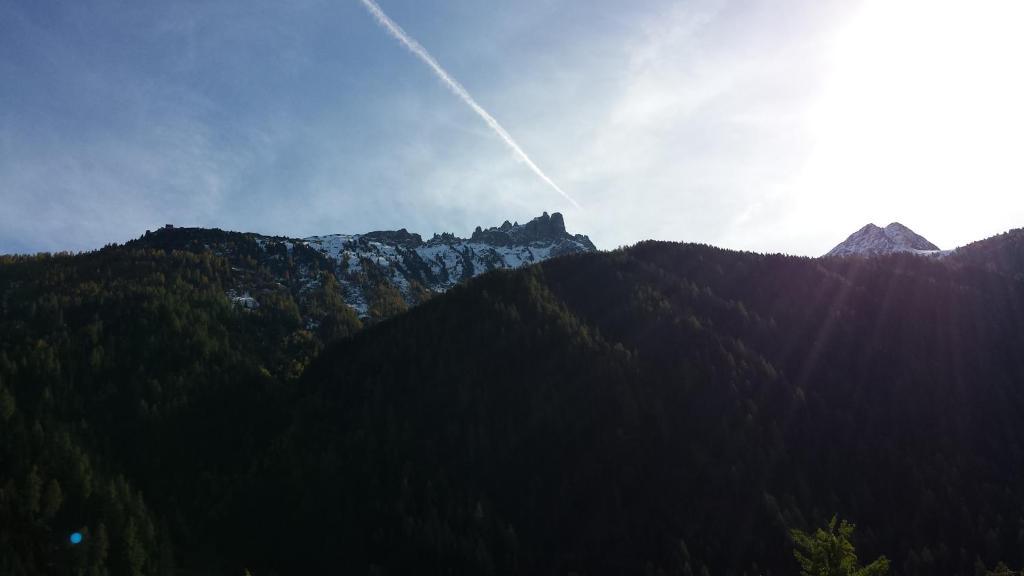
(376,274)
(412,265)
(872,240)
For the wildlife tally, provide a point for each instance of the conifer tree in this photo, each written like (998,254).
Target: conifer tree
(831,553)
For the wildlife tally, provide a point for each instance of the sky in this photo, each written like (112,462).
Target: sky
(772,125)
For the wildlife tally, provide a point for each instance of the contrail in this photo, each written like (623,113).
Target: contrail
(421,52)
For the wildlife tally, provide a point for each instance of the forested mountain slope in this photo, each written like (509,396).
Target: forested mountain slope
(133,393)
(667,408)
(1003,254)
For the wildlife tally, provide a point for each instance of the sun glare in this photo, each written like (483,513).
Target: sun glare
(921,114)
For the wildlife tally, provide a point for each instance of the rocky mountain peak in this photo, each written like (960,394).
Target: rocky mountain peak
(402,260)
(400,237)
(872,240)
(377,272)
(544,228)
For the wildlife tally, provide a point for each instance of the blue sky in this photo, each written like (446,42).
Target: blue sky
(770,125)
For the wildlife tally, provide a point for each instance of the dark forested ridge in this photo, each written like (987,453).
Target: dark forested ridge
(130,384)
(667,408)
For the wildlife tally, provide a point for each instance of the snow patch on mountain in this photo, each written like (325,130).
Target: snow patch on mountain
(243,300)
(411,265)
(377,274)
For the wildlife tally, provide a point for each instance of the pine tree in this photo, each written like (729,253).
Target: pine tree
(830,553)
(53,497)
(98,552)
(134,553)
(33,492)
(7,404)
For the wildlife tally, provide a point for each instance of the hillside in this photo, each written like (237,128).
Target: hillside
(1002,254)
(133,392)
(666,408)
(679,417)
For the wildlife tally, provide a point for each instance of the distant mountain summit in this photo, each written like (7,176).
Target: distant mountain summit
(411,265)
(872,241)
(376,274)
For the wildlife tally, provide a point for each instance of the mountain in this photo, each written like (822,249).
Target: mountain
(376,274)
(410,265)
(1002,254)
(663,409)
(660,409)
(872,241)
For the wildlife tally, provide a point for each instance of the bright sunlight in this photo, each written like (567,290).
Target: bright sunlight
(922,113)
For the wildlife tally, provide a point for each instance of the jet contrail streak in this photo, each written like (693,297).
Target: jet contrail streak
(417,49)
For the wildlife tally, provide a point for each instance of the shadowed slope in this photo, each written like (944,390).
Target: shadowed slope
(667,406)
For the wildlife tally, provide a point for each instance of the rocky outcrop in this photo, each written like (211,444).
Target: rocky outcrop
(544,228)
(402,260)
